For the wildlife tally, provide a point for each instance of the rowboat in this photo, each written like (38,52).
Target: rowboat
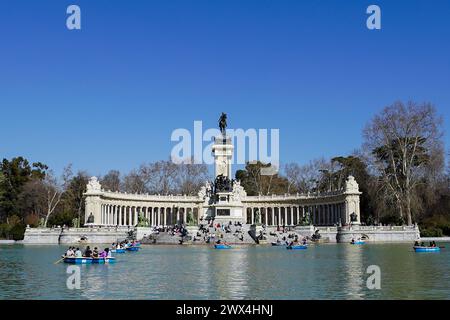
(359,242)
(87,260)
(222,246)
(133,248)
(427,249)
(278,244)
(118,250)
(297,247)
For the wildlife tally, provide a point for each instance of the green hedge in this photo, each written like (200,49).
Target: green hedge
(431,232)
(15,232)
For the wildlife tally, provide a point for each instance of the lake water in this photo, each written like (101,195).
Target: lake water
(328,271)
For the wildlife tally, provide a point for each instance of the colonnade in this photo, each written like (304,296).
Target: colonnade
(291,215)
(128,215)
(271,215)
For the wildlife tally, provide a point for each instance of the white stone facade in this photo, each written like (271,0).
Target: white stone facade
(122,209)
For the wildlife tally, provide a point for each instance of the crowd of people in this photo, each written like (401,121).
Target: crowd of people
(214,232)
(88,253)
(124,244)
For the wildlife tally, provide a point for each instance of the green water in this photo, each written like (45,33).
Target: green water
(333,271)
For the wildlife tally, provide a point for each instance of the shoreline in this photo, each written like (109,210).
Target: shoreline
(13,242)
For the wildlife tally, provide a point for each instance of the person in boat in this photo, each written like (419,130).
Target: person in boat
(78,253)
(304,241)
(422,244)
(105,253)
(433,244)
(353,240)
(88,252)
(95,253)
(416,244)
(69,252)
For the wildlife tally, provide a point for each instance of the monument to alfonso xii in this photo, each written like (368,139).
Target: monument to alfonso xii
(112,215)
(222,201)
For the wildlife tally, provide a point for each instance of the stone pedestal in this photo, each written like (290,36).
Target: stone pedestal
(223,153)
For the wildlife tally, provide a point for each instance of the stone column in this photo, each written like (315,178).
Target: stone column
(334,213)
(292,215)
(318,214)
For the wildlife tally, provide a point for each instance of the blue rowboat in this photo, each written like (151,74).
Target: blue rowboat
(297,247)
(357,242)
(84,260)
(118,250)
(222,246)
(427,249)
(133,248)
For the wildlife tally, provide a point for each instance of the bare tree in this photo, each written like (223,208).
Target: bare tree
(293,174)
(160,177)
(191,177)
(54,190)
(111,181)
(402,142)
(305,178)
(134,182)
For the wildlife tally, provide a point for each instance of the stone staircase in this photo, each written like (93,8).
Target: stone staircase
(238,235)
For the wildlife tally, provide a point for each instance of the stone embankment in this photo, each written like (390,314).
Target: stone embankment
(245,234)
(74,235)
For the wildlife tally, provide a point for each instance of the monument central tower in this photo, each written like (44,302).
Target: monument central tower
(223,150)
(223,199)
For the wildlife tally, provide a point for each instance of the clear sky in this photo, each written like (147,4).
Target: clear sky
(109,96)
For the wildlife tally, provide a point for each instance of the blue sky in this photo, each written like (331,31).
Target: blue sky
(110,95)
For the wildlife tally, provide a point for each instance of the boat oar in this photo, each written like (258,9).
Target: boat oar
(56,262)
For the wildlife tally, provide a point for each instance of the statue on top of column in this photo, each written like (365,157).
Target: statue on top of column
(223,123)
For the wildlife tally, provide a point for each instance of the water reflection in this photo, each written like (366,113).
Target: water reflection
(354,271)
(231,268)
